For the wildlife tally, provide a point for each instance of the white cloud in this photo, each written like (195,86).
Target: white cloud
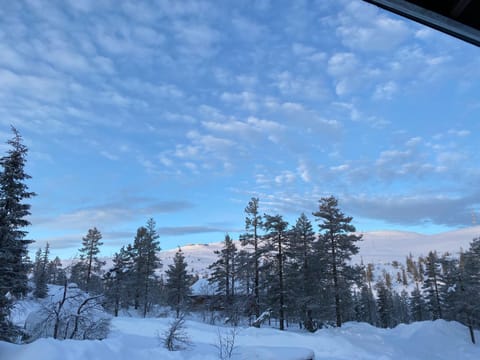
(385,91)
(364,28)
(340,168)
(246,99)
(196,40)
(286,177)
(304,171)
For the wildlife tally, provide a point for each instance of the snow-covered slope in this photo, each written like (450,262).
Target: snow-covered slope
(134,338)
(377,247)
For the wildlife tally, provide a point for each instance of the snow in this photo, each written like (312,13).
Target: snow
(137,338)
(376,247)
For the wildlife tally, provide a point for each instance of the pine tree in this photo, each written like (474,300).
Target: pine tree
(367,311)
(178,283)
(90,264)
(431,285)
(384,305)
(14,264)
(40,273)
(118,280)
(418,308)
(468,288)
(145,248)
(300,270)
(339,243)
(253,224)
(56,273)
(276,229)
(223,271)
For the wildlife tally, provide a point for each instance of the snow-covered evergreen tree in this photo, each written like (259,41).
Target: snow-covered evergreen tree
(14,262)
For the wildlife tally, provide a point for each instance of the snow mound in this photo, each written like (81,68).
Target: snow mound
(136,338)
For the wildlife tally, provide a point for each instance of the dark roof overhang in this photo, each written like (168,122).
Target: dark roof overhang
(459,18)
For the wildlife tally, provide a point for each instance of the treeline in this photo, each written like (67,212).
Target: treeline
(301,276)
(132,281)
(293,273)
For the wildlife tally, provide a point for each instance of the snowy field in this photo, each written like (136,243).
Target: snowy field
(136,339)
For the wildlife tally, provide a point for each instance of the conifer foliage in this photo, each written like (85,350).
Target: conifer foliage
(336,234)
(14,264)
(178,284)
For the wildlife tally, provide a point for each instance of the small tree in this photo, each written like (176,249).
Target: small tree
(89,260)
(178,283)
(40,273)
(226,343)
(176,337)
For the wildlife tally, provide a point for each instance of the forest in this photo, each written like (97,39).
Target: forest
(278,273)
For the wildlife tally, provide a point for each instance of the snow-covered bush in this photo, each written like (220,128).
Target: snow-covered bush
(68,313)
(226,342)
(175,337)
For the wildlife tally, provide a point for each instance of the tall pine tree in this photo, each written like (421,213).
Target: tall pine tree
(90,264)
(14,264)
(339,242)
(276,229)
(145,247)
(253,224)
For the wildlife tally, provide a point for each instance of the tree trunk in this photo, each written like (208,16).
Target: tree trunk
(335,283)
(280,279)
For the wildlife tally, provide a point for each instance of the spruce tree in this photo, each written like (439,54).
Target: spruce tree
(118,280)
(431,285)
(40,273)
(339,244)
(300,270)
(468,288)
(223,271)
(178,283)
(14,264)
(417,304)
(145,248)
(384,305)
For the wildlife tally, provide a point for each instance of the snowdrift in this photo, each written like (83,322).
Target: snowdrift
(134,338)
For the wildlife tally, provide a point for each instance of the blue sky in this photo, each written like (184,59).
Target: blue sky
(184,110)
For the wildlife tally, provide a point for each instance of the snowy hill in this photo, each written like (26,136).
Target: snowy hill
(377,247)
(134,338)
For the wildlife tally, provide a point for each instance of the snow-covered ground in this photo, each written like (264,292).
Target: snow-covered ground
(136,338)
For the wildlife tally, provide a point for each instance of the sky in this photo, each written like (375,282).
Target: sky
(184,110)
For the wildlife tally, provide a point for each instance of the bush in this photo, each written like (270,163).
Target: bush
(176,337)
(226,343)
(69,313)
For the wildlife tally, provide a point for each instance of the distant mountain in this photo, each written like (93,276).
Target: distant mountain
(378,247)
